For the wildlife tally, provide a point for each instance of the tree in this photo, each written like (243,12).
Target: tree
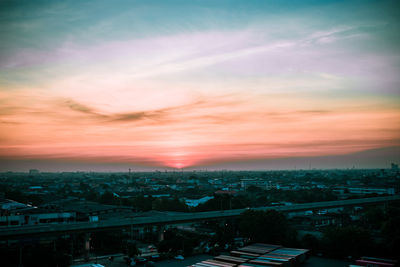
(252,189)
(169,205)
(310,242)
(264,226)
(143,203)
(374,217)
(107,198)
(391,232)
(23,198)
(175,242)
(132,250)
(347,241)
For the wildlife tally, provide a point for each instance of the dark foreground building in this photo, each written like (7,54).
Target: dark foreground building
(258,255)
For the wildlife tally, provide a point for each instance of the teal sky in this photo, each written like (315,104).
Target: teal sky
(41,34)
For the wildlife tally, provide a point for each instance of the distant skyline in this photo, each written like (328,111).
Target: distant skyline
(197,84)
(370,159)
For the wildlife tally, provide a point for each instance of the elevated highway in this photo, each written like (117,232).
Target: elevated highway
(39,230)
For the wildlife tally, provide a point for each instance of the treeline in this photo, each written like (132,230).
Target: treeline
(22,197)
(253,197)
(380,238)
(273,227)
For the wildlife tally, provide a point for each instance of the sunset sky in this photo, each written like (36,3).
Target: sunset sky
(191,84)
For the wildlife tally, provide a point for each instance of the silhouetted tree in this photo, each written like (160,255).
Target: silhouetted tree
(391,232)
(169,205)
(347,241)
(143,203)
(310,242)
(264,226)
(374,218)
(108,198)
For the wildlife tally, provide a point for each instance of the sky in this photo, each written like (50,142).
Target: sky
(194,84)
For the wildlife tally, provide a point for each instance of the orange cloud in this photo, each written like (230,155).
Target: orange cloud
(208,129)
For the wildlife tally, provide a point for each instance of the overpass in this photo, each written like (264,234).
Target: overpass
(39,230)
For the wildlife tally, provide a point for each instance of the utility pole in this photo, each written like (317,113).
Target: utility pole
(20,256)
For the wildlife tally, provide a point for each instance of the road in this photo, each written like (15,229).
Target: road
(37,230)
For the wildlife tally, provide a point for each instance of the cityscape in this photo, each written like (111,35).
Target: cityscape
(57,219)
(201,133)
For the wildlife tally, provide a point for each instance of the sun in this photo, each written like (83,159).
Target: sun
(179,165)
